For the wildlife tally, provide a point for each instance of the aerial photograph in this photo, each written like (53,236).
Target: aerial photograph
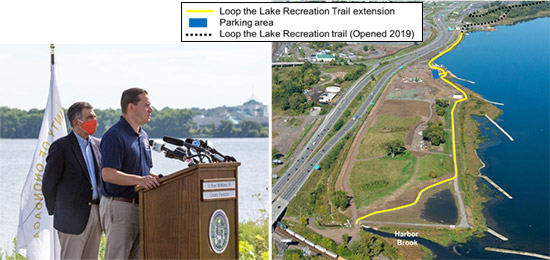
(416,150)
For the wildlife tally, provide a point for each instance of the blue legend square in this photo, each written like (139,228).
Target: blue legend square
(197,22)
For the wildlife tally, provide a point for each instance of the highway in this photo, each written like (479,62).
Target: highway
(300,170)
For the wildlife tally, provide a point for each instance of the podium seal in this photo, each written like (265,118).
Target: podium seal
(219,231)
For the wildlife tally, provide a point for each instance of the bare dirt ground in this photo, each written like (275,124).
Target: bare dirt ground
(416,82)
(409,108)
(405,108)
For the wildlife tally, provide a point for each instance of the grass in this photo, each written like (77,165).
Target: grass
(439,163)
(377,178)
(447,146)
(387,128)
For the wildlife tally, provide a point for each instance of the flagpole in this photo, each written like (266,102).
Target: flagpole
(52,47)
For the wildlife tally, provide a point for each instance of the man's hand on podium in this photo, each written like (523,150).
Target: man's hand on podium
(149,182)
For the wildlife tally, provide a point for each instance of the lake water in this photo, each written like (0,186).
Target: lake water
(254,177)
(441,208)
(512,66)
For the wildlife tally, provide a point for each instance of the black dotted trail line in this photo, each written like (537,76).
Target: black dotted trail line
(505,9)
(198,34)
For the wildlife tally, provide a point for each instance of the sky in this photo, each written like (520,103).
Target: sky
(181,75)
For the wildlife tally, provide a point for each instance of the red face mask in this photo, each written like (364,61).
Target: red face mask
(89,126)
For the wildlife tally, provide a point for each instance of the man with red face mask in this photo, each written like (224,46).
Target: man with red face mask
(71,185)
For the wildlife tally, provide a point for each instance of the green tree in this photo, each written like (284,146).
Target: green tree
(338,124)
(250,128)
(369,246)
(293,254)
(285,105)
(225,129)
(440,111)
(253,240)
(434,133)
(310,77)
(347,113)
(296,102)
(345,238)
(442,103)
(395,147)
(340,199)
(303,220)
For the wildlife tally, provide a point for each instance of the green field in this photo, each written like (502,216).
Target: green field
(440,164)
(387,129)
(377,178)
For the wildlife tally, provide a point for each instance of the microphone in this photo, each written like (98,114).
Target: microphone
(207,145)
(194,142)
(174,141)
(175,154)
(157,147)
(200,147)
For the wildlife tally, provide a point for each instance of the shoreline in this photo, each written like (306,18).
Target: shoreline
(480,151)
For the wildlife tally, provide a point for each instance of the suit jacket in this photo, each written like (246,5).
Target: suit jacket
(66,183)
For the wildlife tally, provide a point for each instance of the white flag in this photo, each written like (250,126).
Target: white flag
(36,236)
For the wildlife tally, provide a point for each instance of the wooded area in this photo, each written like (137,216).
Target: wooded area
(17,123)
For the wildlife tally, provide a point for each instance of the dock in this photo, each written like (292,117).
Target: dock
(508,251)
(496,186)
(494,233)
(492,102)
(461,79)
(500,128)
(465,80)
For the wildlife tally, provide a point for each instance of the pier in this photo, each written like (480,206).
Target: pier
(496,186)
(465,80)
(461,79)
(493,102)
(494,233)
(507,251)
(500,128)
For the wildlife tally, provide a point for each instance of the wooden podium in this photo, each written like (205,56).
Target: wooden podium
(193,214)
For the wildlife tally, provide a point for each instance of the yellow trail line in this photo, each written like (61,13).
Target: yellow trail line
(199,11)
(442,74)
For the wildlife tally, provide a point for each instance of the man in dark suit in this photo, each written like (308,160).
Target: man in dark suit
(71,184)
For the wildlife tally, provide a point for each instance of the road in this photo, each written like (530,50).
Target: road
(300,170)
